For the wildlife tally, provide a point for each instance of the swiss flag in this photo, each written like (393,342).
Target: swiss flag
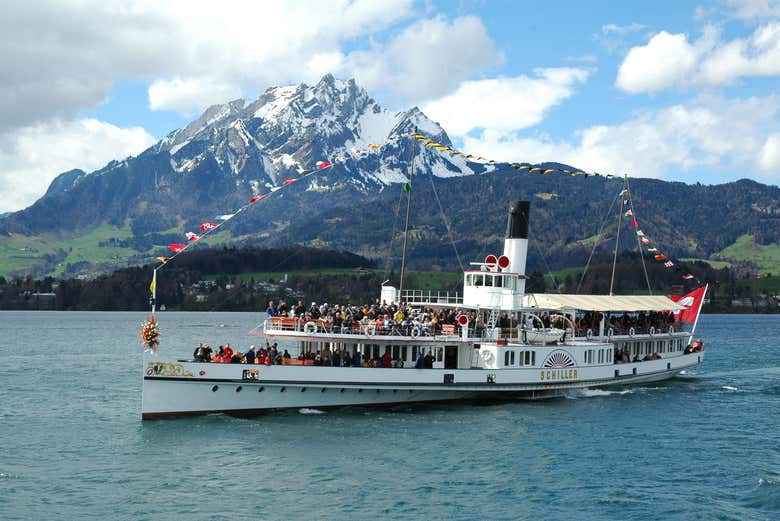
(207,226)
(692,302)
(323,164)
(176,248)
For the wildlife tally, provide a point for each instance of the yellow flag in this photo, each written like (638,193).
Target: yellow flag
(153,284)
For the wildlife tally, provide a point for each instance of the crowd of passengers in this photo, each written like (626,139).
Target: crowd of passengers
(384,318)
(270,355)
(622,324)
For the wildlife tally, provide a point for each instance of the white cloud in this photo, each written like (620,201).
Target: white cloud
(769,158)
(34,155)
(427,59)
(504,104)
(63,58)
(182,94)
(670,60)
(725,136)
(755,9)
(621,29)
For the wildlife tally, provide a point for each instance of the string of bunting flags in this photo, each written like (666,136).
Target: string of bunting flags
(645,241)
(425,140)
(208,227)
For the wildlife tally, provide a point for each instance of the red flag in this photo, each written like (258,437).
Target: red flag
(192,236)
(323,164)
(692,302)
(634,223)
(207,226)
(660,257)
(256,198)
(176,248)
(288,181)
(644,240)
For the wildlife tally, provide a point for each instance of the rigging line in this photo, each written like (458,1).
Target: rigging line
(546,265)
(596,243)
(617,242)
(446,222)
(638,241)
(406,227)
(389,263)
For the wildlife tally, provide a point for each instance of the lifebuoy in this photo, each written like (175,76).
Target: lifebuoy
(415,331)
(371,330)
(487,356)
(310,327)
(631,331)
(589,334)
(652,330)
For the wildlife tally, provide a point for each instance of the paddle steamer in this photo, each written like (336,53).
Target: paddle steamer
(506,344)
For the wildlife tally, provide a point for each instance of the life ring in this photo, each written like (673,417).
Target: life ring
(589,334)
(310,327)
(487,356)
(415,331)
(631,331)
(652,330)
(371,330)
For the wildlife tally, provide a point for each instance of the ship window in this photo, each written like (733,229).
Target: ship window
(469,280)
(528,358)
(509,281)
(404,352)
(512,358)
(414,353)
(533,357)
(488,280)
(396,352)
(520,355)
(479,280)
(506,358)
(439,354)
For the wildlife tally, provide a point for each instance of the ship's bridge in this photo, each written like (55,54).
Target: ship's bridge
(493,290)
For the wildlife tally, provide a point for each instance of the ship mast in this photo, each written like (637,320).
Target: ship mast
(617,238)
(406,226)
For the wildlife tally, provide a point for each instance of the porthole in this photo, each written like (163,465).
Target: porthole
(260,389)
(238,389)
(214,389)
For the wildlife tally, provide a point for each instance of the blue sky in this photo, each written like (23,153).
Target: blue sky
(669,89)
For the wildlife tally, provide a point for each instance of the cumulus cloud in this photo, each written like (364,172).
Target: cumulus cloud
(505,104)
(182,94)
(62,58)
(34,155)
(427,59)
(670,60)
(707,133)
(755,9)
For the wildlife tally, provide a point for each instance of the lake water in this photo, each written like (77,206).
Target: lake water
(72,446)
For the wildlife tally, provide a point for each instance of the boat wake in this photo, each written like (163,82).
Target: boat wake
(306,410)
(595,393)
(729,388)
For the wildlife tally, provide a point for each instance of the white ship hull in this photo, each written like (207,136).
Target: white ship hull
(186,389)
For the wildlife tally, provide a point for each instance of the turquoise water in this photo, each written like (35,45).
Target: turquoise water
(702,446)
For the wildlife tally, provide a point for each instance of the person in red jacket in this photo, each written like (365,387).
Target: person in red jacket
(387,360)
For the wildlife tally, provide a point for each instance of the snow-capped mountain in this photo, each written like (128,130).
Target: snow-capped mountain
(239,149)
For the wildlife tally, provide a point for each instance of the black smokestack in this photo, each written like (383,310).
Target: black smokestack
(517,227)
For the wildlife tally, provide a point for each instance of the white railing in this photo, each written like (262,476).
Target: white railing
(416,296)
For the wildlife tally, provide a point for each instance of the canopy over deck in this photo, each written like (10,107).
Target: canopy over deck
(553,301)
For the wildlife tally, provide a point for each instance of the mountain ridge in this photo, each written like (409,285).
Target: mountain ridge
(238,149)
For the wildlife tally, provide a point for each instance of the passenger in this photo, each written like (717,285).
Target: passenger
(199,355)
(428,361)
(271,310)
(267,360)
(420,362)
(250,355)
(236,358)
(285,356)
(387,360)
(207,353)
(356,359)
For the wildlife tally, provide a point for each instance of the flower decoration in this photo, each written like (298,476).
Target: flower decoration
(150,334)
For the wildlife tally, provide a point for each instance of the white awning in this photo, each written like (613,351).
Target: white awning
(555,301)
